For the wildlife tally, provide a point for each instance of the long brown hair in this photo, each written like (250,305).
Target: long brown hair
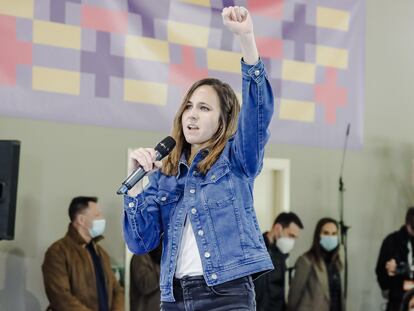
(315,252)
(229,112)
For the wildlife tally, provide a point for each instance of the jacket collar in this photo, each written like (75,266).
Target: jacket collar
(324,279)
(322,276)
(183,164)
(74,235)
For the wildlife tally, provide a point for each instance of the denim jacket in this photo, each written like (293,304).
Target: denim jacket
(219,204)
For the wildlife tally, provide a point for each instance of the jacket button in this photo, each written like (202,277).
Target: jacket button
(207,254)
(256,72)
(192,190)
(163,199)
(200,232)
(131,204)
(214,276)
(193,211)
(213,177)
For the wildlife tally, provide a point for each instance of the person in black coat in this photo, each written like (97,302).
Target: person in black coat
(408,301)
(270,287)
(394,270)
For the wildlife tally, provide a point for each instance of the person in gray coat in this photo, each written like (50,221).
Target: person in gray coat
(316,284)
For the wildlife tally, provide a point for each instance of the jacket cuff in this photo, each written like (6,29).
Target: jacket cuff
(255,72)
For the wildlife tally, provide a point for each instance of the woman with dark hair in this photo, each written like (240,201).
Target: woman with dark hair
(316,284)
(408,301)
(199,199)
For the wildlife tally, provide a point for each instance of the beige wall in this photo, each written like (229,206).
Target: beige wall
(92,161)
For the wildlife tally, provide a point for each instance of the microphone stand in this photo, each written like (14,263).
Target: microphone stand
(344,228)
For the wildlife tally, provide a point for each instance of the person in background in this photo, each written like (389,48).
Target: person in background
(201,199)
(394,268)
(76,270)
(144,291)
(270,287)
(316,284)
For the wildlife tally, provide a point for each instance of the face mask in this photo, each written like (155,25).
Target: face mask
(98,227)
(329,243)
(285,245)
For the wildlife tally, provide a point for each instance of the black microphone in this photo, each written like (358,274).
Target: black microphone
(161,150)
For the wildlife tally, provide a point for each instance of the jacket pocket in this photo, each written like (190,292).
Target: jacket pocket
(167,201)
(217,188)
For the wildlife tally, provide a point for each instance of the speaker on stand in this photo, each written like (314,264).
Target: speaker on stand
(9,172)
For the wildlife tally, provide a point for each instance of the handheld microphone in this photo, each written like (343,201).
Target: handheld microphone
(161,150)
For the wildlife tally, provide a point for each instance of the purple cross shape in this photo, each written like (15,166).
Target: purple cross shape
(216,22)
(102,63)
(300,32)
(58,10)
(149,12)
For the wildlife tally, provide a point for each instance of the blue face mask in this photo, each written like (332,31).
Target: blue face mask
(98,227)
(329,242)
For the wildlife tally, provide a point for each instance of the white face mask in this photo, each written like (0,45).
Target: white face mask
(285,244)
(98,227)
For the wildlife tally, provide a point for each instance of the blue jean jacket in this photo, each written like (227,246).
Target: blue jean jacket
(219,204)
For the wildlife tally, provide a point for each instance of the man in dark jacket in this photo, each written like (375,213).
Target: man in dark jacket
(76,270)
(270,287)
(395,273)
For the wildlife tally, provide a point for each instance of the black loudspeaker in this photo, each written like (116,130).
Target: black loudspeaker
(9,172)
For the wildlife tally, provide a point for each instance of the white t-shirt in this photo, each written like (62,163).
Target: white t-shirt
(188,261)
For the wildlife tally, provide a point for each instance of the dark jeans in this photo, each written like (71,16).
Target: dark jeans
(191,293)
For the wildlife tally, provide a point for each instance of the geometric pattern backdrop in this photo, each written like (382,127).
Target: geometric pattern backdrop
(127,63)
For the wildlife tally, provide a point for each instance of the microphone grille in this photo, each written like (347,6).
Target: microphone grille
(165,146)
